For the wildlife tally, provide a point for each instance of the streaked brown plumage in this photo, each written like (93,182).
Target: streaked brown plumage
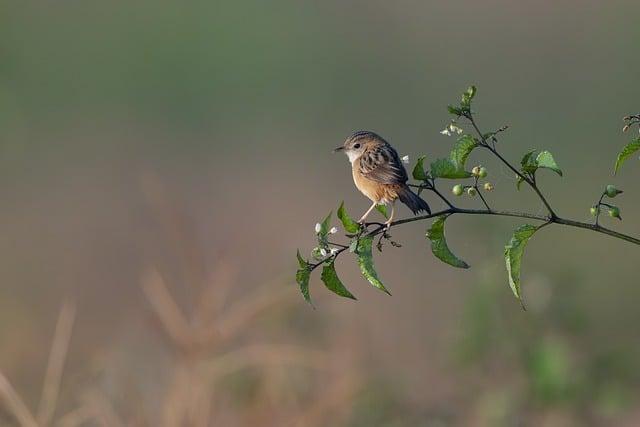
(379,174)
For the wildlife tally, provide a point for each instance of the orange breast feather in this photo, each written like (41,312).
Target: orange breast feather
(375,191)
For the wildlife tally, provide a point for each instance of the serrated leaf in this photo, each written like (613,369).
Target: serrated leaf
(445,168)
(348,223)
(627,151)
(439,245)
(332,281)
(365,261)
(545,160)
(383,210)
(461,150)
(302,277)
(513,253)
(418,170)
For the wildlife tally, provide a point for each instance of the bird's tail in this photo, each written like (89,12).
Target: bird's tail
(413,201)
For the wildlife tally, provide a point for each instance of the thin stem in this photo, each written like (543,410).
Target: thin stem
(531,182)
(598,208)
(475,185)
(546,219)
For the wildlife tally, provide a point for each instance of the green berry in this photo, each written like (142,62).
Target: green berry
(472,191)
(612,191)
(482,173)
(614,212)
(593,211)
(457,190)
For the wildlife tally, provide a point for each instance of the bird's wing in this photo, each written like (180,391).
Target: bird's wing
(382,164)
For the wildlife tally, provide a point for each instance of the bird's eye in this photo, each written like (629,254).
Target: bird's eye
(356,146)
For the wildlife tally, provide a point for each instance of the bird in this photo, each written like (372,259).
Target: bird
(379,174)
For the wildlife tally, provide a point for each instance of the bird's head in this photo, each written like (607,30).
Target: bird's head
(357,143)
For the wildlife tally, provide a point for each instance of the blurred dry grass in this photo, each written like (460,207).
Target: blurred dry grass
(194,395)
(206,347)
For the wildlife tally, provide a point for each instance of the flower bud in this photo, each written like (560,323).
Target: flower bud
(323,252)
(488,186)
(318,227)
(482,173)
(612,191)
(333,230)
(472,191)
(475,171)
(614,212)
(457,190)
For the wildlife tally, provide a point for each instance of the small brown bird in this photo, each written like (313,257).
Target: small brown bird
(379,174)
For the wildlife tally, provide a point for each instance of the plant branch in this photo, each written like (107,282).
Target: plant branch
(531,182)
(546,219)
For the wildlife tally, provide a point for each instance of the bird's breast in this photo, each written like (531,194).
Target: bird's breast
(375,191)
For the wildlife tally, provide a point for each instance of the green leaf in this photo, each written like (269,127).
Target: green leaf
(302,277)
(418,170)
(468,95)
(325,225)
(439,245)
(347,222)
(332,281)
(301,262)
(528,163)
(461,150)
(445,168)
(454,110)
(365,261)
(513,252)
(383,210)
(626,152)
(545,160)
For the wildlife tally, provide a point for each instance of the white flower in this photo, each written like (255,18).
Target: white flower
(334,251)
(318,227)
(445,131)
(323,252)
(405,159)
(333,230)
(456,129)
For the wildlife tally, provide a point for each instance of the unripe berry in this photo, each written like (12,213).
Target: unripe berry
(593,211)
(612,191)
(472,191)
(457,190)
(614,212)
(482,173)
(475,171)
(488,186)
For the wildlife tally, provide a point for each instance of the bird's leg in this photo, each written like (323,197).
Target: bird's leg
(366,214)
(390,220)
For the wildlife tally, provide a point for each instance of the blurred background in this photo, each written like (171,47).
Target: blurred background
(161,162)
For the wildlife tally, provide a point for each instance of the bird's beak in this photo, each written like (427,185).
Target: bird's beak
(338,149)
